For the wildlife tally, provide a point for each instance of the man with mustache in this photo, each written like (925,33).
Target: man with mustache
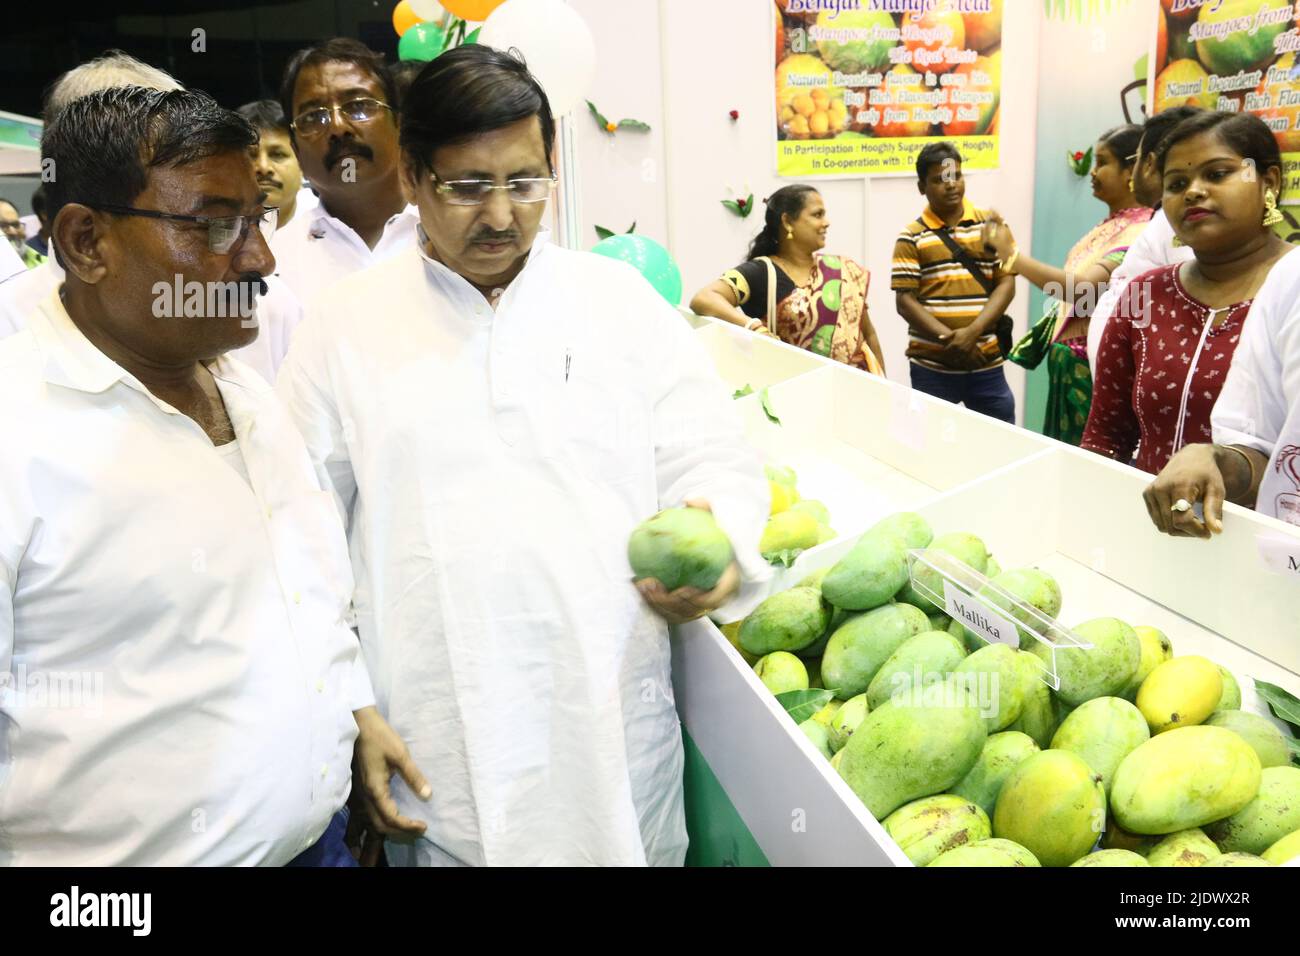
(278,172)
(342,105)
(166,551)
(507,412)
(278,310)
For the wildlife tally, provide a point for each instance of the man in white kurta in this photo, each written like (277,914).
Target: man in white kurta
(493,454)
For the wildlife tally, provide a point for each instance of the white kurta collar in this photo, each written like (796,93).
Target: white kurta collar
(319,221)
(438,271)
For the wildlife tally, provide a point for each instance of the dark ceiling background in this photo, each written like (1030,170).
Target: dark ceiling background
(247,43)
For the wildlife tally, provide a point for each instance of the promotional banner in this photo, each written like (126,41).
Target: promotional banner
(1234,55)
(863,85)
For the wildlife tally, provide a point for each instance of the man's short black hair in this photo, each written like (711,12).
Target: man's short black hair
(404,74)
(104,144)
(936,154)
(267,116)
(338,49)
(1157,127)
(467,91)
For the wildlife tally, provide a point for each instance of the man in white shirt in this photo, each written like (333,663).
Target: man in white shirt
(1155,246)
(179,681)
(342,105)
(505,415)
(1255,458)
(10,262)
(279,311)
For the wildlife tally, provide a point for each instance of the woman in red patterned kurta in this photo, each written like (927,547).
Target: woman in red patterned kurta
(1163,360)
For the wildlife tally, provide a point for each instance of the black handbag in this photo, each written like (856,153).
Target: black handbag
(1005,327)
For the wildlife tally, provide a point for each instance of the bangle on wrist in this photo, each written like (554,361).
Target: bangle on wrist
(1010,265)
(1250,466)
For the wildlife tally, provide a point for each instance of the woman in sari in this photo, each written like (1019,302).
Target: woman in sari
(785,288)
(1079,285)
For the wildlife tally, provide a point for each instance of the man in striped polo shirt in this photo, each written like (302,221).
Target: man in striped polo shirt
(951,311)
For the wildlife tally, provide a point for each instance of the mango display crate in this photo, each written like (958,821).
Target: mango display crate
(760,792)
(745,359)
(867,447)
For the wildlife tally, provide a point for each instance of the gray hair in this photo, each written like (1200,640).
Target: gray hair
(111,70)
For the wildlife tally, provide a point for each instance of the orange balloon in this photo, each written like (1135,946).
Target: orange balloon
(404,17)
(475,10)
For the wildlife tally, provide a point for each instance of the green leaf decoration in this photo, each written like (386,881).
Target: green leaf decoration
(600,117)
(634,124)
(783,558)
(742,392)
(802,704)
(767,407)
(1283,703)
(604,233)
(631,229)
(733,206)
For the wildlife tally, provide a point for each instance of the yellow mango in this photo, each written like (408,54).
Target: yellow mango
(1184,778)
(1054,805)
(1185,848)
(1180,693)
(1156,649)
(782,497)
(1287,848)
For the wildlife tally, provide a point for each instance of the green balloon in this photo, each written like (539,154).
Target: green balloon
(421,42)
(648,258)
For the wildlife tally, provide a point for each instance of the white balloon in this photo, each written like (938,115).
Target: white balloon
(554,40)
(427,10)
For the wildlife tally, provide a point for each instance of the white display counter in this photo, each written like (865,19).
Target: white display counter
(867,447)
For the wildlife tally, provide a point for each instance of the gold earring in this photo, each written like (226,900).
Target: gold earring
(789,233)
(1130,184)
(1272,216)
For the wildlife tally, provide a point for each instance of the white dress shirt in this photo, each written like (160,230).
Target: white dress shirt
(198,618)
(1153,248)
(11,263)
(493,465)
(316,250)
(1259,406)
(278,313)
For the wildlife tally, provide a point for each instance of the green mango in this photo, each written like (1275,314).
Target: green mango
(908,595)
(1028,586)
(992,852)
(1054,804)
(1231,697)
(1038,718)
(846,720)
(1117,838)
(782,475)
(1002,754)
(824,715)
(862,644)
(1273,814)
(912,748)
(992,569)
(1111,858)
(1284,850)
(781,672)
(1261,733)
(938,622)
(1238,859)
(972,640)
(927,828)
(1103,731)
(680,547)
(869,575)
(815,731)
(995,674)
(929,656)
(814,580)
(909,527)
(1103,670)
(1184,778)
(966,548)
(1156,649)
(786,621)
(1185,848)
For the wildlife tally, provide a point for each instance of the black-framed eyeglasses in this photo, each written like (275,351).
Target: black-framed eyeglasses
(316,121)
(475,192)
(224,232)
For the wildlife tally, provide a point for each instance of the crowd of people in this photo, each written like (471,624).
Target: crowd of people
(340,576)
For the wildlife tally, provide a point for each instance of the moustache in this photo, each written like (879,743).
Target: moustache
(491,236)
(274,183)
(340,148)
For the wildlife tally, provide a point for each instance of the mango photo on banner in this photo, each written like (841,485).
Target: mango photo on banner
(404,17)
(476,10)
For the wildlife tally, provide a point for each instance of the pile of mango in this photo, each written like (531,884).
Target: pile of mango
(967,757)
(794,524)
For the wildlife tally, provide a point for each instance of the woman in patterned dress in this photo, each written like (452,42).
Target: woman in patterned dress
(1160,373)
(819,302)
